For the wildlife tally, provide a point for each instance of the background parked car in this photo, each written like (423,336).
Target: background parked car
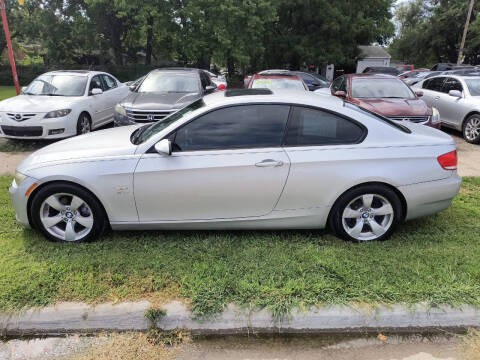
(60,104)
(314,81)
(306,161)
(405,67)
(385,95)
(411,73)
(277,79)
(161,93)
(381,70)
(457,98)
(218,80)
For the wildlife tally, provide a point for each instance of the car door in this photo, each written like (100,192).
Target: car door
(432,88)
(321,148)
(113,95)
(98,103)
(225,164)
(452,109)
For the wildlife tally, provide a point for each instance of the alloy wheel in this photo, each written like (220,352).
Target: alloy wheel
(368,217)
(67,217)
(472,129)
(84,125)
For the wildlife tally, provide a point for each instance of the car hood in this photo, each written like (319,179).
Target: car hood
(159,100)
(38,104)
(395,107)
(97,145)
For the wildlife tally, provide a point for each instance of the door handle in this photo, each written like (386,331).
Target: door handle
(269,163)
(436,98)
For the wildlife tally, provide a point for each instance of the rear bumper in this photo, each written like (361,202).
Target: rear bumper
(430,197)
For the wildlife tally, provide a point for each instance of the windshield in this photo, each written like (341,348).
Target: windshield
(168,82)
(145,132)
(57,85)
(381,88)
(281,83)
(473,86)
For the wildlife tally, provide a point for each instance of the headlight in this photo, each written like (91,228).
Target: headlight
(435,116)
(58,113)
(120,109)
(19,178)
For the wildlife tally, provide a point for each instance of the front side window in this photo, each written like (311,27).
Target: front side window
(278,83)
(96,83)
(434,84)
(236,127)
(364,88)
(170,83)
(452,84)
(315,127)
(57,85)
(110,82)
(473,86)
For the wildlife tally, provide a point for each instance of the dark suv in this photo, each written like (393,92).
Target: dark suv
(161,93)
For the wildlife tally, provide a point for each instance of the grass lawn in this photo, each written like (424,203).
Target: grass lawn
(435,259)
(6,92)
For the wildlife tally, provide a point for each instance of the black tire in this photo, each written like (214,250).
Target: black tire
(468,135)
(336,220)
(84,124)
(95,209)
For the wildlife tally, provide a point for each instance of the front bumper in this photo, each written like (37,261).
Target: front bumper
(20,201)
(430,197)
(121,120)
(38,127)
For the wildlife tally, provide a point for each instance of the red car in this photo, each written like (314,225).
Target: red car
(385,95)
(277,79)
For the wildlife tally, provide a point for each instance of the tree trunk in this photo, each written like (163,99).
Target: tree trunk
(230,66)
(149,49)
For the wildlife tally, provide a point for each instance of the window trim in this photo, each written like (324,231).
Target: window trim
(356,122)
(174,132)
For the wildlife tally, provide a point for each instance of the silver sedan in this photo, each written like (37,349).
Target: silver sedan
(241,159)
(457,98)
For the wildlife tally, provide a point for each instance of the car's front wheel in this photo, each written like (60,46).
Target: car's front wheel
(366,213)
(84,125)
(471,129)
(67,213)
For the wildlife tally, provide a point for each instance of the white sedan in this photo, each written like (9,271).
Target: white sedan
(241,159)
(61,104)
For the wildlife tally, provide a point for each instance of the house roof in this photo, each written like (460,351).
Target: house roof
(373,51)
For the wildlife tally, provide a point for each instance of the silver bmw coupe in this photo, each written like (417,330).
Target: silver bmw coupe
(241,159)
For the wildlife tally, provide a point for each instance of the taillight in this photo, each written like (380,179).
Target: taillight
(222,87)
(449,160)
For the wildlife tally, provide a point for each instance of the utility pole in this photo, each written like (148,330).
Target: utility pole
(465,30)
(9,47)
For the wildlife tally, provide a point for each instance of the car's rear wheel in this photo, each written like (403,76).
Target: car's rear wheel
(84,124)
(471,129)
(67,213)
(366,213)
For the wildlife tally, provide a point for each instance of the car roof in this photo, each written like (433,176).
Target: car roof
(286,96)
(74,72)
(178,69)
(278,76)
(373,75)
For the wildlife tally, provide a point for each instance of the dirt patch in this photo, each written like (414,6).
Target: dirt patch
(10,161)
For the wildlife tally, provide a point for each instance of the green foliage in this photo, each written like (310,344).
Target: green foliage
(154,315)
(433,260)
(7,92)
(431,32)
(237,34)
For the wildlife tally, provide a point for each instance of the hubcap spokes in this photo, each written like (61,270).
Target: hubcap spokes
(472,129)
(66,216)
(367,217)
(85,127)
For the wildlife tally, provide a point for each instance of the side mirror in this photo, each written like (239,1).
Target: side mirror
(419,93)
(96,91)
(455,93)
(340,94)
(132,87)
(210,88)
(23,89)
(164,147)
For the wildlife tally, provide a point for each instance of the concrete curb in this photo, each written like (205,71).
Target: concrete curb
(81,318)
